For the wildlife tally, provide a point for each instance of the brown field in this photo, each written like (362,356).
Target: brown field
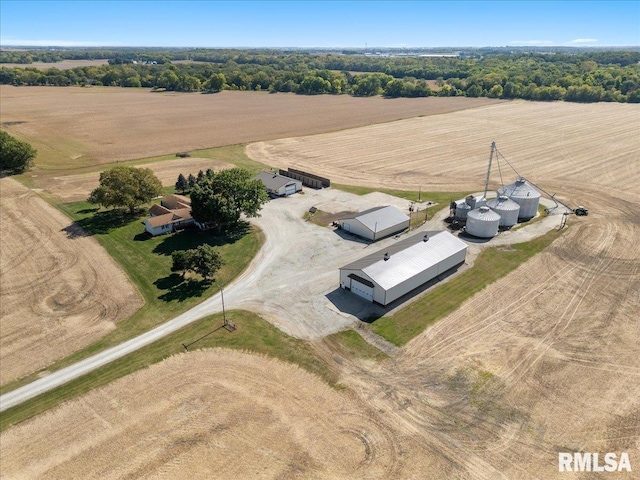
(213,414)
(76,127)
(64,65)
(58,294)
(545,360)
(71,188)
(550,143)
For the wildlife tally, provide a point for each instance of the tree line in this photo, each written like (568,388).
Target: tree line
(612,76)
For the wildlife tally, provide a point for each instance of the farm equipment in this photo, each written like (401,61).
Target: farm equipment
(581,211)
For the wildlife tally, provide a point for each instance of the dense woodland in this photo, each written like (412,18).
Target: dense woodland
(591,75)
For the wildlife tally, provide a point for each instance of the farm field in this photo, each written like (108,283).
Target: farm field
(75,127)
(58,294)
(71,188)
(543,360)
(552,143)
(63,65)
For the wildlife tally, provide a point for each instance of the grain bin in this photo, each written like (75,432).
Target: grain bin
(506,208)
(482,222)
(524,195)
(475,202)
(462,209)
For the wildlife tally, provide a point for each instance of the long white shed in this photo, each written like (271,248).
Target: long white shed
(390,273)
(375,223)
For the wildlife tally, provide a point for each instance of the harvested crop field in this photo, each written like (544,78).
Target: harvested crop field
(71,188)
(213,414)
(75,127)
(545,360)
(63,65)
(548,142)
(58,294)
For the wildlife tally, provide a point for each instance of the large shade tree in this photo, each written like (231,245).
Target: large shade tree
(127,187)
(225,196)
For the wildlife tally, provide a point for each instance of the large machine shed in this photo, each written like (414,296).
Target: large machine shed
(279,184)
(376,223)
(388,274)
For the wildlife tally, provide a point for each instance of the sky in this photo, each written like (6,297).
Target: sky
(332,24)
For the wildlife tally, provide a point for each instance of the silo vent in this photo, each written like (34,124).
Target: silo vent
(386,256)
(425,238)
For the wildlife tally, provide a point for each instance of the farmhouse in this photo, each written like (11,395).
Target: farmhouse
(277,184)
(375,223)
(173,213)
(386,275)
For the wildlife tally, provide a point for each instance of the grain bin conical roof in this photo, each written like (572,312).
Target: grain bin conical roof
(506,208)
(525,195)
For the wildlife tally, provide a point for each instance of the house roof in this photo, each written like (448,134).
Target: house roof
(273,181)
(156,210)
(407,258)
(380,218)
(175,201)
(174,216)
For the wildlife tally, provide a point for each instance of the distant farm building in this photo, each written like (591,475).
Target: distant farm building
(307,179)
(173,213)
(388,274)
(375,223)
(279,185)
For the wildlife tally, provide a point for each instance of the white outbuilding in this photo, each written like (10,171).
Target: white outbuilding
(279,184)
(375,223)
(390,273)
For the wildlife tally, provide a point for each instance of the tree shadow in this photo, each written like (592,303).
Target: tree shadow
(193,238)
(180,289)
(102,222)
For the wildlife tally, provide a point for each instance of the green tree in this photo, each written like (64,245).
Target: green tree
(181,183)
(222,199)
(126,187)
(215,83)
(15,156)
(191,181)
(203,260)
(206,261)
(496,91)
(182,261)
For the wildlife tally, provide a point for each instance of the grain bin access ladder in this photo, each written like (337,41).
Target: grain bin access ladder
(579,211)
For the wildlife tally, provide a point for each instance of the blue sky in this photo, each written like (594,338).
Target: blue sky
(322,24)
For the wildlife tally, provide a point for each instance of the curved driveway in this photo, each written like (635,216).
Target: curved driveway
(289,282)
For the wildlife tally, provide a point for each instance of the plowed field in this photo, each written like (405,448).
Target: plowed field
(58,293)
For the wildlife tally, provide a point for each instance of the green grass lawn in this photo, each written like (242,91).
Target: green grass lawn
(491,265)
(147,262)
(252,334)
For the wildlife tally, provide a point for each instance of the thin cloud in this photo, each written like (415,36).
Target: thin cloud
(531,42)
(584,40)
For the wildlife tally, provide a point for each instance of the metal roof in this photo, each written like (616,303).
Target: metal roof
(407,258)
(503,203)
(484,214)
(380,218)
(274,181)
(519,189)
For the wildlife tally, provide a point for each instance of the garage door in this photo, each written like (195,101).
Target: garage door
(290,189)
(362,290)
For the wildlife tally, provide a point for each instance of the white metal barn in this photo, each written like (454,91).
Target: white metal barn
(375,223)
(279,184)
(388,274)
